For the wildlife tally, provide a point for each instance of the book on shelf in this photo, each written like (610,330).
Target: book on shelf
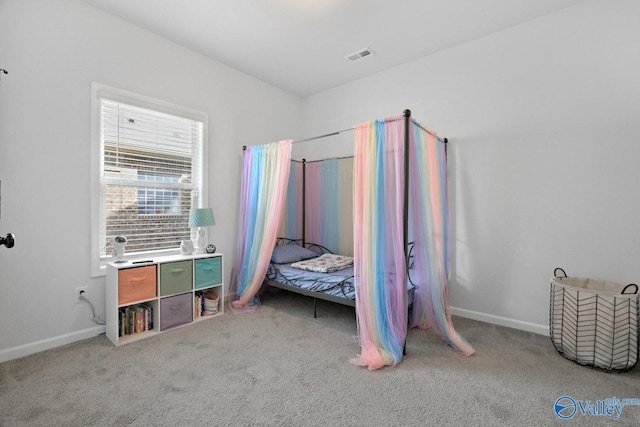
(135,319)
(198,300)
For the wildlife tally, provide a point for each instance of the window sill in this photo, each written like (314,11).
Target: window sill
(101,269)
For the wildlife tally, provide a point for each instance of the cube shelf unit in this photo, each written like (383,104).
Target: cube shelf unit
(167,292)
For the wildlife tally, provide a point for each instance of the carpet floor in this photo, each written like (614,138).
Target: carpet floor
(282,367)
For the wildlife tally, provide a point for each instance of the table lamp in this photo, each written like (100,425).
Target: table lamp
(202,217)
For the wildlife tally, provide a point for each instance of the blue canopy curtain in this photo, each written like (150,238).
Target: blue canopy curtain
(291,224)
(379,252)
(265,177)
(381,274)
(329,201)
(429,230)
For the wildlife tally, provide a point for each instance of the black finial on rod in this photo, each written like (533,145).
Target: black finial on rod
(407,113)
(244,148)
(4,71)
(446,140)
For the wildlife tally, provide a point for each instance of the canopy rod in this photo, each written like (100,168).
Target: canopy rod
(322,160)
(445,140)
(296,141)
(322,136)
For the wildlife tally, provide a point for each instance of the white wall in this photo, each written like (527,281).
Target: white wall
(543,122)
(53,51)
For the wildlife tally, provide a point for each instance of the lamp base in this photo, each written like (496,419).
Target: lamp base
(200,242)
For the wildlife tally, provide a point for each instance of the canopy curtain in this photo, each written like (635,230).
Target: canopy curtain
(429,230)
(265,177)
(379,254)
(380,261)
(291,224)
(329,201)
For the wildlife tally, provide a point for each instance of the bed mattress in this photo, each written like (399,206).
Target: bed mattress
(338,284)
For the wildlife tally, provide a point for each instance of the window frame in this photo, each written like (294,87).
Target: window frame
(100,91)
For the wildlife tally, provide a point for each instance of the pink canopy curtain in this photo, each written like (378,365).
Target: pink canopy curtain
(379,254)
(264,187)
(428,218)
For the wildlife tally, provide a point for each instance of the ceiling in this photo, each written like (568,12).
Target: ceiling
(300,45)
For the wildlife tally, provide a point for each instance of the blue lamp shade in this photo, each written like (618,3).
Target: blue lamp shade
(201,217)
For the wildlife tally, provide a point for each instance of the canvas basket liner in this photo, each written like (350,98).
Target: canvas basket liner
(210,303)
(593,323)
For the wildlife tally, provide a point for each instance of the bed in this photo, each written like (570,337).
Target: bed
(398,192)
(333,286)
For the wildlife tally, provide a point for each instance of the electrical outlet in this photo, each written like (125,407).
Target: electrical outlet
(82,290)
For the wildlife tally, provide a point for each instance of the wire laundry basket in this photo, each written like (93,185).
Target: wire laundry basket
(593,322)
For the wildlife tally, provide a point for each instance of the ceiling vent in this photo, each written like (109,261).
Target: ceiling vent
(358,55)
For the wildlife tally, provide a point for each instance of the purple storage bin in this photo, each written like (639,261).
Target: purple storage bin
(175,311)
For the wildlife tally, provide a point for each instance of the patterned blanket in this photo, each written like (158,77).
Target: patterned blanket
(325,263)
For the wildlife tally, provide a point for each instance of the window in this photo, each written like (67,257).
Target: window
(158,201)
(148,173)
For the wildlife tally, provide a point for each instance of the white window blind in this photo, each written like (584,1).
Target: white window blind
(151,175)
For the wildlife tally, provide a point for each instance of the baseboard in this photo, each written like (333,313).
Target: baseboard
(501,321)
(49,343)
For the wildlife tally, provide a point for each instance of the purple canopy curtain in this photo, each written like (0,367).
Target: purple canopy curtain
(428,217)
(379,255)
(264,187)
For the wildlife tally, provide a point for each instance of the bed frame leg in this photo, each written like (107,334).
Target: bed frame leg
(315,304)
